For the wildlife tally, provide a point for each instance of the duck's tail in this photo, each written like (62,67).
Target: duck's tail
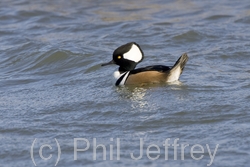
(178,67)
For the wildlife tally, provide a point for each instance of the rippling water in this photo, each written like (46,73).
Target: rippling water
(53,89)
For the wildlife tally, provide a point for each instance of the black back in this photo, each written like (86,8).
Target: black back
(159,68)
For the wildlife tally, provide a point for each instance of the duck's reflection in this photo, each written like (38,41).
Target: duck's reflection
(136,96)
(140,96)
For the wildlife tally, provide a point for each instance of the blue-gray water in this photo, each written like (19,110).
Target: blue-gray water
(52,87)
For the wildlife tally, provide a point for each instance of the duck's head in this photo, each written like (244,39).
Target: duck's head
(127,56)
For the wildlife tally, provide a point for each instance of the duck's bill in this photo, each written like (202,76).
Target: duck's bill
(109,63)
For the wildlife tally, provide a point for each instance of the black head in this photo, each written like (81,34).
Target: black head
(127,56)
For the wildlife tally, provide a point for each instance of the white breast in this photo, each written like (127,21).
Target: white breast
(117,74)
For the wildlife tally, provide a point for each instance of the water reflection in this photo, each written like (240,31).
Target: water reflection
(135,95)
(139,97)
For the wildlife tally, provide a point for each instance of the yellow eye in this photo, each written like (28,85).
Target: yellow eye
(119,57)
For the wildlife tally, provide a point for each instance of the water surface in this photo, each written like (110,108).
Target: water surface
(53,87)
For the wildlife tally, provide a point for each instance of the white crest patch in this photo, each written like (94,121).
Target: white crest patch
(134,54)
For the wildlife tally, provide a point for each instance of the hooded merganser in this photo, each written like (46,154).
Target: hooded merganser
(129,55)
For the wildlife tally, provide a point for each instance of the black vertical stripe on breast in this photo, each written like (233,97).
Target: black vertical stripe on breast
(120,79)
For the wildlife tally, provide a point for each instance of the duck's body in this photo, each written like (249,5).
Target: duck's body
(129,55)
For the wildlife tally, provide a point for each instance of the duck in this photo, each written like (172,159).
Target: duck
(127,56)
